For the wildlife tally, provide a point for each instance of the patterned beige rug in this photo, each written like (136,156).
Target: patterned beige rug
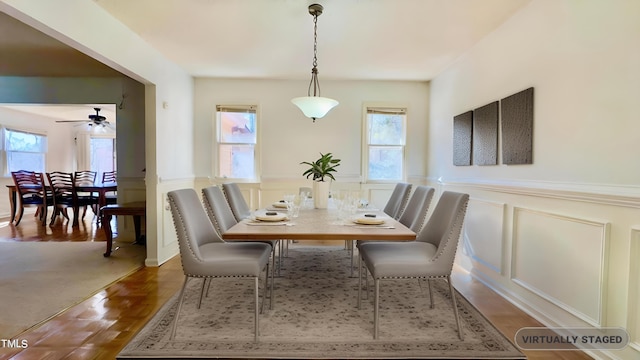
(315,316)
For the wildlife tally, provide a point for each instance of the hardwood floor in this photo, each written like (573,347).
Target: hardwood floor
(100,326)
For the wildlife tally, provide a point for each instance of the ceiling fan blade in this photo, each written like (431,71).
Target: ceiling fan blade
(70,121)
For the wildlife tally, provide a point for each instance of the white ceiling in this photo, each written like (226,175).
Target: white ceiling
(66,112)
(357,39)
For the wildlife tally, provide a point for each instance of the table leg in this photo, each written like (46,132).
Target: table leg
(106,225)
(136,226)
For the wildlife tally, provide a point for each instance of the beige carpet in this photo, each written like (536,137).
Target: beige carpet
(40,279)
(315,316)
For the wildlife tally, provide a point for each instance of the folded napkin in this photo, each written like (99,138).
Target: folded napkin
(279,205)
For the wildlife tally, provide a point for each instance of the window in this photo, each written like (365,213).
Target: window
(24,151)
(237,139)
(385,141)
(103,155)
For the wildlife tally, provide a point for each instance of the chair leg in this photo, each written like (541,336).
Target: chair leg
(455,307)
(430,292)
(359,282)
(53,217)
(280,254)
(273,271)
(350,242)
(265,290)
(376,303)
(175,320)
(256,313)
(18,216)
(202,291)
(44,215)
(366,285)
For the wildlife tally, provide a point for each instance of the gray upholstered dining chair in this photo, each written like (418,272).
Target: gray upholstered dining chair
(396,203)
(222,219)
(241,211)
(431,256)
(236,201)
(394,207)
(205,255)
(413,216)
(415,213)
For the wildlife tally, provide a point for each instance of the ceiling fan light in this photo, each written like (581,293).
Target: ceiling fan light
(314,107)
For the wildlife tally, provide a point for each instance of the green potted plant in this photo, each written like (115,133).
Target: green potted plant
(321,171)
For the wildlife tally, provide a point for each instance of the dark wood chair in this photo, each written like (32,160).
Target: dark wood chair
(111,197)
(87,177)
(61,184)
(32,192)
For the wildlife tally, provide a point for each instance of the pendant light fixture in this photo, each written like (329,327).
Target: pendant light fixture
(313,105)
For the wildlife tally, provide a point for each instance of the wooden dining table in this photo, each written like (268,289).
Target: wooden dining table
(101,189)
(320,224)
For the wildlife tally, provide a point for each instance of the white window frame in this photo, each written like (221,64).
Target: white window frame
(114,155)
(217,136)
(5,157)
(83,147)
(382,108)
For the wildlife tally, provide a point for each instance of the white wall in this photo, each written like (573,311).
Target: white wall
(287,137)
(168,132)
(555,236)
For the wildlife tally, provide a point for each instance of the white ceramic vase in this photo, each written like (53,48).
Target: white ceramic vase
(321,194)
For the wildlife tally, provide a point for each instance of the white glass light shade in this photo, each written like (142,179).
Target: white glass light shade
(314,107)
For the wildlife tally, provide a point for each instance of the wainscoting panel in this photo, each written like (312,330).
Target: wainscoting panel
(562,259)
(634,289)
(168,240)
(484,238)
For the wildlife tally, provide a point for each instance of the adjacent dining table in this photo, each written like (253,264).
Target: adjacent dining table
(101,189)
(321,224)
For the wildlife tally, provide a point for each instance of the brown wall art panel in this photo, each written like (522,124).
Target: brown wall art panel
(462,132)
(517,128)
(485,135)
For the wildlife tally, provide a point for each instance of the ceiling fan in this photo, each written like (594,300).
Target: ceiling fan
(95,121)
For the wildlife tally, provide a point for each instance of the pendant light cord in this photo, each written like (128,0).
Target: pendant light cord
(314,71)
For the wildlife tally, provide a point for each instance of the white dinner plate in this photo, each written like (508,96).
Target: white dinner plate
(276,217)
(369,220)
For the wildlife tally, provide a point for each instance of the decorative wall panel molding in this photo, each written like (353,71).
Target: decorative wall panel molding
(516,119)
(485,135)
(569,250)
(484,240)
(634,290)
(462,134)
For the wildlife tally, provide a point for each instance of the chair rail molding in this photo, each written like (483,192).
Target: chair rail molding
(605,194)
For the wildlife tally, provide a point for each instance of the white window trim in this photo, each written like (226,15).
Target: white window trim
(215,162)
(365,141)
(4,158)
(83,147)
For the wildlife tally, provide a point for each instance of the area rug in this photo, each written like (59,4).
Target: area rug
(40,279)
(315,316)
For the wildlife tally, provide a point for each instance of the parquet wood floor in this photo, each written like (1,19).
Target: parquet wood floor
(101,326)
